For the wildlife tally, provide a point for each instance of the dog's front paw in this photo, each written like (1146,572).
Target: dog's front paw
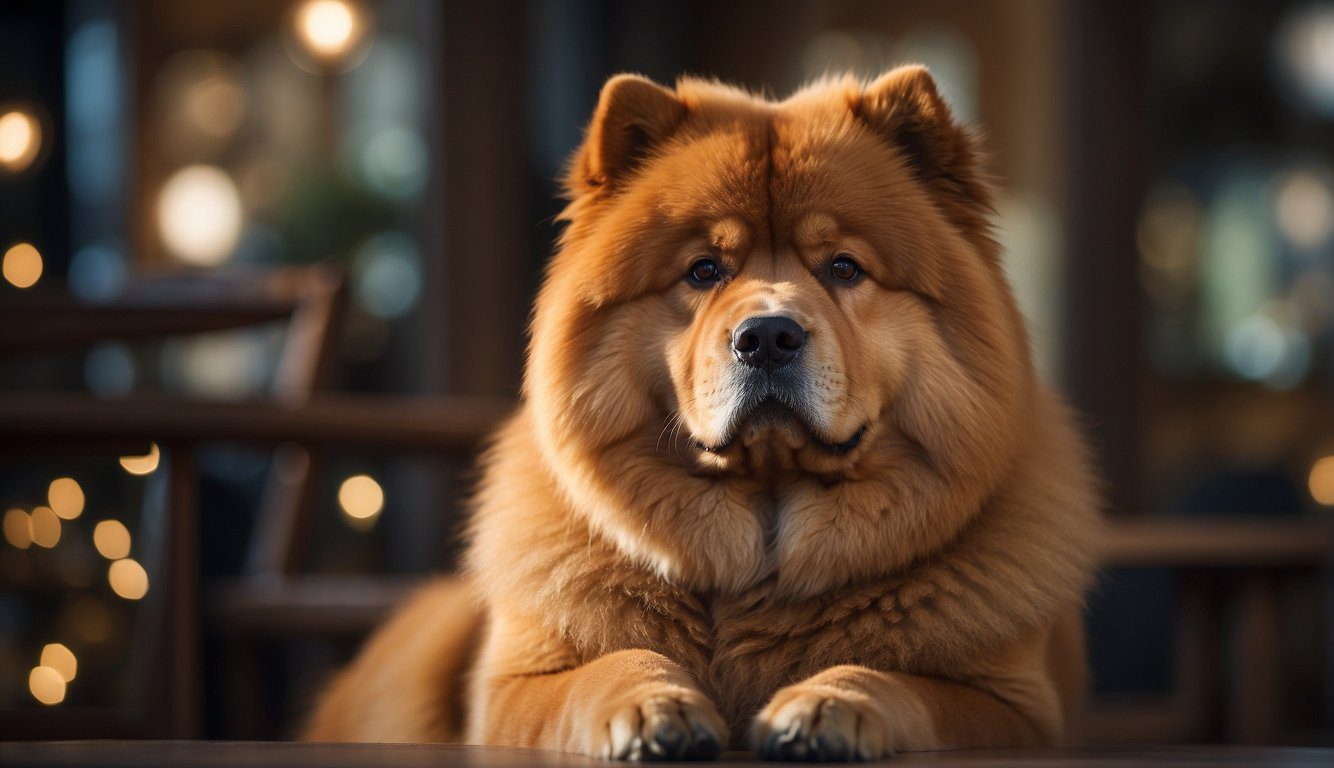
(664,724)
(818,723)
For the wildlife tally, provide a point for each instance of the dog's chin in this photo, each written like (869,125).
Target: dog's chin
(772,434)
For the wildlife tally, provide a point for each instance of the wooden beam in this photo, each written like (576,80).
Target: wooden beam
(307,606)
(37,422)
(1217,543)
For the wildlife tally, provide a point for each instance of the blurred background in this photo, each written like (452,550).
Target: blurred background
(267,264)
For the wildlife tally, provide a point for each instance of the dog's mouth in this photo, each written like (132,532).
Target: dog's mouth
(772,410)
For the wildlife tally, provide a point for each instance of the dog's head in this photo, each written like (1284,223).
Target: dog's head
(761,295)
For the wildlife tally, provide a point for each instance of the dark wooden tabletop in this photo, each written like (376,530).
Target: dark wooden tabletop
(235,754)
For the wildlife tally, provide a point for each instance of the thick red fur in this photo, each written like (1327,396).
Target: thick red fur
(637,596)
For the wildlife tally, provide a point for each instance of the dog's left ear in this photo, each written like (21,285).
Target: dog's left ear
(905,109)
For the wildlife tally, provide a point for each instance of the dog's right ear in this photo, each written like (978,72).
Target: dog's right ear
(634,114)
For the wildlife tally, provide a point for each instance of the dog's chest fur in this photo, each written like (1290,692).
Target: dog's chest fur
(742,648)
(982,594)
(1022,561)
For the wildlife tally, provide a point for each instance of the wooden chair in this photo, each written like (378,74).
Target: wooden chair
(1227,652)
(253,607)
(310,301)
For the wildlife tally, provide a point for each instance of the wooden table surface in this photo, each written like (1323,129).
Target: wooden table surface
(229,754)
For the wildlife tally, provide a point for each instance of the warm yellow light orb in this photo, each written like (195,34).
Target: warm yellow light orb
(61,659)
(20,140)
(199,215)
(18,528)
(112,539)
(46,685)
(45,527)
(361,498)
(22,265)
(65,497)
(327,28)
(1321,481)
(128,579)
(142,465)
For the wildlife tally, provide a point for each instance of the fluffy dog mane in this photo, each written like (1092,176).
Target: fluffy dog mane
(971,526)
(652,564)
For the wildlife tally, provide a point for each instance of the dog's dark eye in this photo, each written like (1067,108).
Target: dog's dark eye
(844,268)
(704,272)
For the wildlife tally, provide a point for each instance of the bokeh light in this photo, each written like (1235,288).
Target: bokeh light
(1304,210)
(142,465)
(1306,50)
(203,100)
(1263,348)
(384,143)
(220,366)
(327,26)
(329,35)
(1239,271)
(20,140)
(22,265)
(394,161)
(199,215)
(1168,236)
(128,579)
(18,528)
(45,527)
(112,539)
(1312,296)
(46,685)
(361,498)
(60,658)
(97,272)
(387,275)
(65,497)
(109,370)
(1321,481)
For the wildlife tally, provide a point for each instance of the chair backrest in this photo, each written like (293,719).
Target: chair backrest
(311,299)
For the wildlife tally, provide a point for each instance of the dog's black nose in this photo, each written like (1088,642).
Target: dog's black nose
(768,342)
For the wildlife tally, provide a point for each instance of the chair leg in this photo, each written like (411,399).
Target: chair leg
(286,514)
(1253,704)
(243,690)
(183,607)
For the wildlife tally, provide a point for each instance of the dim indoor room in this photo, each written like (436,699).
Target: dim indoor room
(548,382)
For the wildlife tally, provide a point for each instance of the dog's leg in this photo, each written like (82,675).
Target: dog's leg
(628,705)
(855,713)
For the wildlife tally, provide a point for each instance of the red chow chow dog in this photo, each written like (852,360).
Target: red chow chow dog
(782,477)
